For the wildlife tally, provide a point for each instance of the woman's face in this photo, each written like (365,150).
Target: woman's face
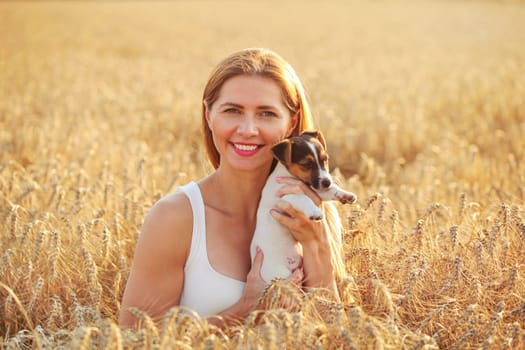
(246,120)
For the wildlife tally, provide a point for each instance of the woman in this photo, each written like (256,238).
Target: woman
(194,248)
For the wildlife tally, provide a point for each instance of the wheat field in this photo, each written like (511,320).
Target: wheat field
(423,107)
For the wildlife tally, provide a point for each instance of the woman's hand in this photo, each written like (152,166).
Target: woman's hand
(254,283)
(249,300)
(296,186)
(302,228)
(318,267)
(253,291)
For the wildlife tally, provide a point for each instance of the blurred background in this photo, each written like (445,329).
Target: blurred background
(422,104)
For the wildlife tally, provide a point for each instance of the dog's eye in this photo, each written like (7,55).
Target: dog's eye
(307,165)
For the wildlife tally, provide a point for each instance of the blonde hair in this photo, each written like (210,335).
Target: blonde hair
(266,63)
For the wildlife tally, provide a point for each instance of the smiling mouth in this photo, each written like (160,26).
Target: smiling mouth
(245,148)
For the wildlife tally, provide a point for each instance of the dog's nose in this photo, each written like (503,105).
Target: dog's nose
(325,183)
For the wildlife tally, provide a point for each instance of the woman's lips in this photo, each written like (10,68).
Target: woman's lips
(246,149)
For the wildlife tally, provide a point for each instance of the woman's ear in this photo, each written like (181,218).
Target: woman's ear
(293,124)
(206,111)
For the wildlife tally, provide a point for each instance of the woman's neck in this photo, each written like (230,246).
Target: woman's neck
(234,193)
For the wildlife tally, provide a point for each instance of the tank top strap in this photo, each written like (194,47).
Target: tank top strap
(198,237)
(205,290)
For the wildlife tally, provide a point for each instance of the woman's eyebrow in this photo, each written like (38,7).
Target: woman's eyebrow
(230,104)
(268,107)
(236,105)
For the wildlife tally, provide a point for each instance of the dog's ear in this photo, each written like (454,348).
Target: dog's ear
(283,151)
(317,134)
(321,139)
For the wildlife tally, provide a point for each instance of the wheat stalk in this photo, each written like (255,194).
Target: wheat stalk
(25,233)
(371,200)
(81,158)
(453,236)
(377,341)
(106,243)
(6,257)
(147,325)
(37,290)
(107,187)
(83,337)
(56,313)
(13,296)
(418,232)
(38,245)
(112,336)
(383,297)
(495,320)
(462,206)
(14,222)
(381,210)
(53,257)
(511,283)
(394,218)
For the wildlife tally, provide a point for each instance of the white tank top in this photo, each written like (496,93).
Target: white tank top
(205,290)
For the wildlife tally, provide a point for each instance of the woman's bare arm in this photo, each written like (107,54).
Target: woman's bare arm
(157,273)
(317,256)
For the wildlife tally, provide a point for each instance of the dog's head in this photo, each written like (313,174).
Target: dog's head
(305,157)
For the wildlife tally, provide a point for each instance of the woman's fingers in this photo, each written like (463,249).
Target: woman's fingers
(254,282)
(296,186)
(255,271)
(284,216)
(297,276)
(289,300)
(301,228)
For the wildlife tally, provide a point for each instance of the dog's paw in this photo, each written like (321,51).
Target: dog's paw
(315,214)
(304,204)
(346,197)
(294,261)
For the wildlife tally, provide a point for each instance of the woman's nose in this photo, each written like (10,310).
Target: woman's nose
(248,127)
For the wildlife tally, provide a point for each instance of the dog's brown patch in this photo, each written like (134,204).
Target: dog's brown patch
(300,172)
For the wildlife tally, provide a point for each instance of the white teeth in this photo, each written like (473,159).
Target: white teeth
(245,147)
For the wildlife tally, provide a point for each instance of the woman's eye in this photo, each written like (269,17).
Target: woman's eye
(268,114)
(231,110)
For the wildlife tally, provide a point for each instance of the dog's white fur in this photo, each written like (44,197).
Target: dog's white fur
(282,254)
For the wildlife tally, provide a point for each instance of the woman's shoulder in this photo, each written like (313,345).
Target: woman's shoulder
(169,219)
(164,241)
(177,200)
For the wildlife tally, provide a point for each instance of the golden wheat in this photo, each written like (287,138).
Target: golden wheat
(422,104)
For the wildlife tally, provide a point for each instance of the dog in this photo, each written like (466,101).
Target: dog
(305,158)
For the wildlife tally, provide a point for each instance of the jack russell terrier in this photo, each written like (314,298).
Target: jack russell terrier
(303,157)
